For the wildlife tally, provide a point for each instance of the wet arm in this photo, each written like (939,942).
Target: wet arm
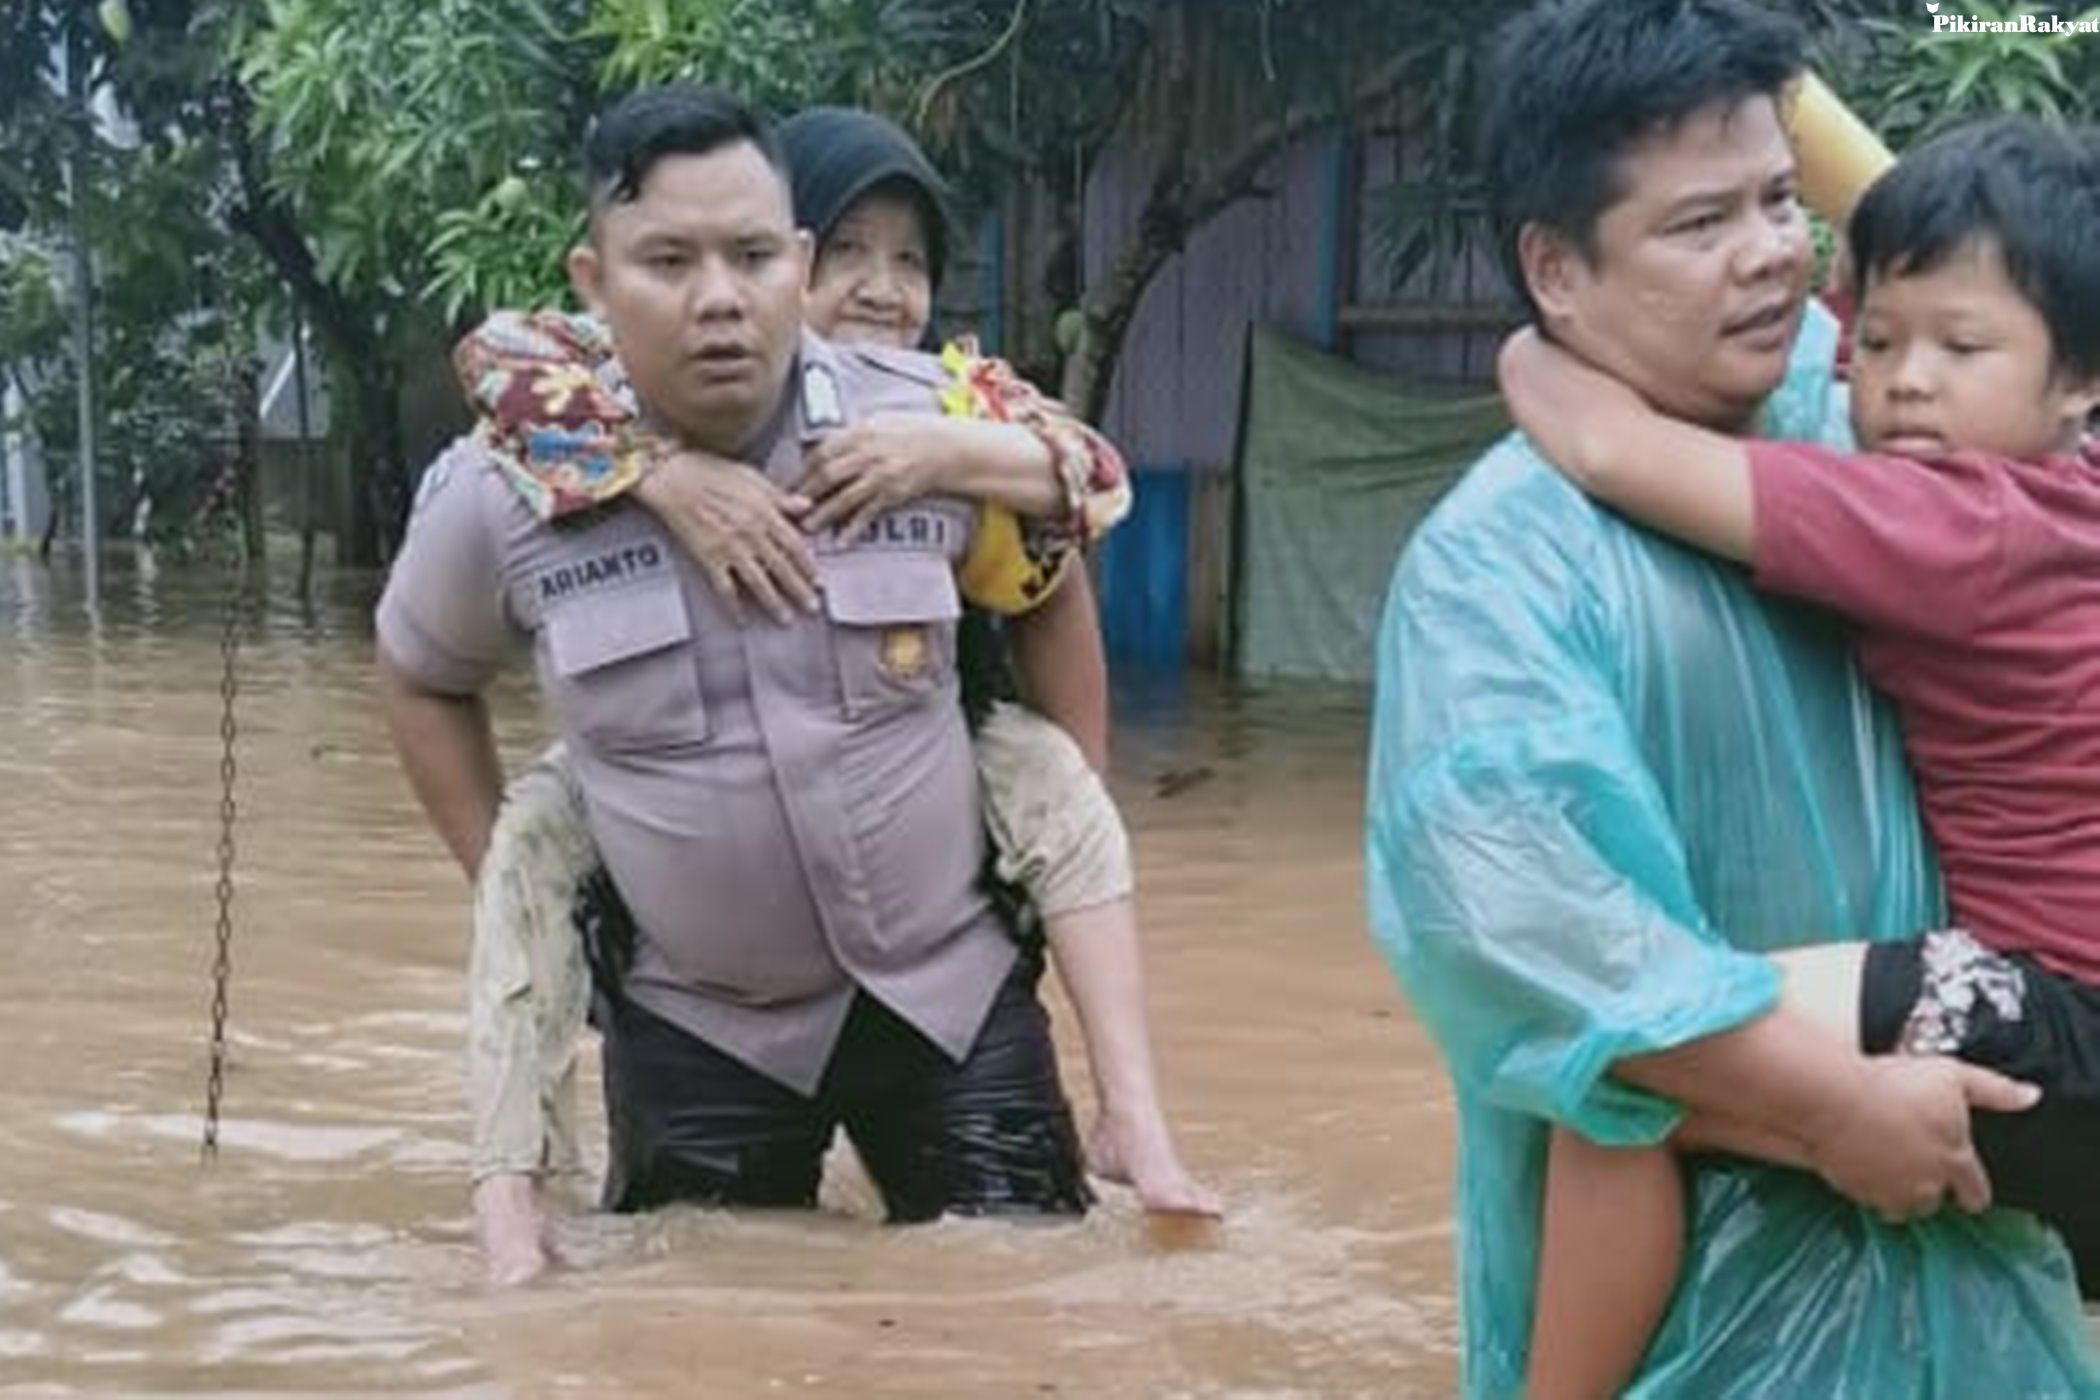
(1093,481)
(1099,964)
(1769,1089)
(1488,859)
(1704,1133)
(1098,961)
(448,750)
(1057,640)
(1891,1132)
(1000,442)
(888,459)
(1672,476)
(1000,463)
(1063,666)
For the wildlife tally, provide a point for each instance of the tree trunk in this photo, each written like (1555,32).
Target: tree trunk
(1106,313)
(369,420)
(1091,372)
(248,461)
(363,376)
(1180,203)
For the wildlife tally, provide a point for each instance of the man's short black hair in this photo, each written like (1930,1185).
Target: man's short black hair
(1569,88)
(2032,190)
(673,119)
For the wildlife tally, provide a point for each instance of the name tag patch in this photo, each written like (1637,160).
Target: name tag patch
(927,530)
(626,564)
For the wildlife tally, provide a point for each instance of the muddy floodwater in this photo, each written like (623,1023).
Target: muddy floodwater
(328,1251)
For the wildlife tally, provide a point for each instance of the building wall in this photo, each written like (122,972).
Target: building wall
(1176,393)
(25,501)
(1307,255)
(1467,277)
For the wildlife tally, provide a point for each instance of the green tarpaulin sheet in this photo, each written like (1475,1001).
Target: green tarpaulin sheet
(1337,464)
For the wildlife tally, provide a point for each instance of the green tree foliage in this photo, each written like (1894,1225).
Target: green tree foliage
(176,300)
(503,244)
(32,317)
(768,53)
(175,341)
(1918,82)
(396,128)
(394,167)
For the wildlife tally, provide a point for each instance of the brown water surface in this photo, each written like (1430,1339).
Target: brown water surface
(328,1251)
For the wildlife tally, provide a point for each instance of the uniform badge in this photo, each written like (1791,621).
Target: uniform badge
(906,655)
(821,404)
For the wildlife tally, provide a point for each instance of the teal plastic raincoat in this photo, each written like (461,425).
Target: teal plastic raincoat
(1604,777)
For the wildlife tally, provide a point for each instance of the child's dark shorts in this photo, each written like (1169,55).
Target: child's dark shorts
(1947,994)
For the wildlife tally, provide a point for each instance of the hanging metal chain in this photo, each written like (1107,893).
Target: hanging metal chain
(220,505)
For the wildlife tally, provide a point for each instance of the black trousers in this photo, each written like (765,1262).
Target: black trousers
(991,1135)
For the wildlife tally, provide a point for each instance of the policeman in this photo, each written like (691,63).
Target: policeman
(788,808)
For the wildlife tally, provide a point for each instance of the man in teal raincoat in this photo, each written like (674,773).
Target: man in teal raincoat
(1606,778)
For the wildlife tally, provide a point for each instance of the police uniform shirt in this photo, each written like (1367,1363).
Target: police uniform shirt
(790,811)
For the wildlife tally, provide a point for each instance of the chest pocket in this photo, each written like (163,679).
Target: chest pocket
(894,627)
(622,672)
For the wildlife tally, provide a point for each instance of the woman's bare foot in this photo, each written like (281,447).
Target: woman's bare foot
(1142,1157)
(511,1227)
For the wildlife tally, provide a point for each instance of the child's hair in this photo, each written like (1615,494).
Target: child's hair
(2030,190)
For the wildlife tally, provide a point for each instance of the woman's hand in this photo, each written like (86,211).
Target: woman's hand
(886,459)
(739,527)
(860,471)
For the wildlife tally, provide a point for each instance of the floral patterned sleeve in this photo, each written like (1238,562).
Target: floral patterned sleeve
(1089,468)
(556,412)
(554,409)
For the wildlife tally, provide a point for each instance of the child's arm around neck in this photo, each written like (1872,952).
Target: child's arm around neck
(1686,481)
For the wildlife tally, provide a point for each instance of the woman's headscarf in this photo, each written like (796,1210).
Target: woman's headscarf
(835,155)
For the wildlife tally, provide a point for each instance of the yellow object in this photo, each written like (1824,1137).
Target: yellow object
(1838,154)
(1000,573)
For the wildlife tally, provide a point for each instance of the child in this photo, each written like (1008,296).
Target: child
(1964,543)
